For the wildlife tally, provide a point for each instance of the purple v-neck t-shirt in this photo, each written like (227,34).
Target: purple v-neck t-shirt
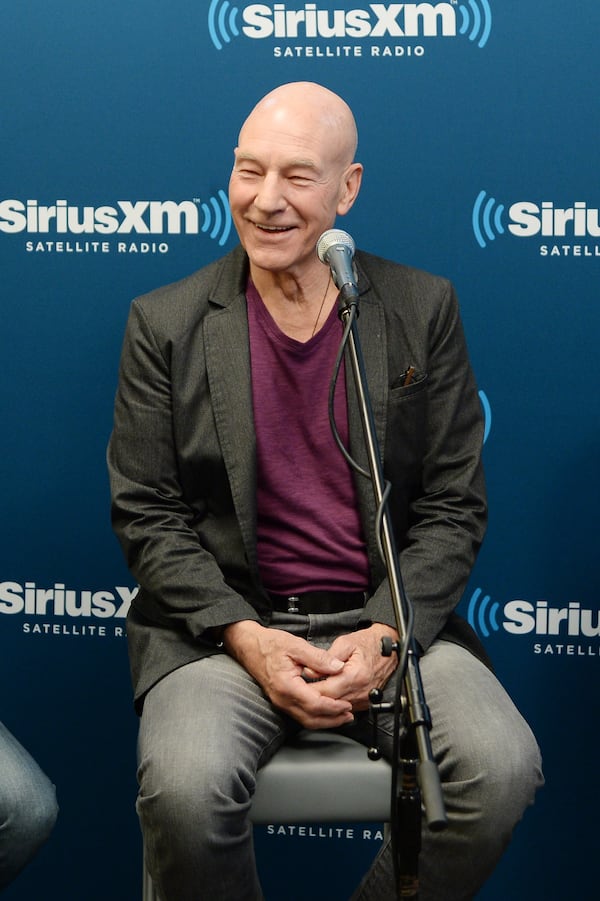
(309,530)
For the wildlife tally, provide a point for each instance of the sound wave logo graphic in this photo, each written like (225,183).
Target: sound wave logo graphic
(217,217)
(476,21)
(222,25)
(482,614)
(487,412)
(486,219)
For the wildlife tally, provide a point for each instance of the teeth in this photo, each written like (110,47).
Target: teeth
(274,228)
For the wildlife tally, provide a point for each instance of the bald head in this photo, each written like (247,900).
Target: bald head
(312,108)
(293,174)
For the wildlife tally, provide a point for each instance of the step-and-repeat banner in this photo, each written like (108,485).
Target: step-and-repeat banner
(479,133)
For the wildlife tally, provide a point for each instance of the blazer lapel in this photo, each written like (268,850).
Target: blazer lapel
(228,365)
(373,346)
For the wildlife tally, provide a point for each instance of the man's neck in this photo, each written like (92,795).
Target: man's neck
(299,307)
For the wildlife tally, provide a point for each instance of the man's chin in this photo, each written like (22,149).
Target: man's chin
(272,259)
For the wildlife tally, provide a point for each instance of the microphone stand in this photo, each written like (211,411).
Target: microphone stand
(412,759)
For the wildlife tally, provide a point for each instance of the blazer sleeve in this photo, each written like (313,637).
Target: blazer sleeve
(181,584)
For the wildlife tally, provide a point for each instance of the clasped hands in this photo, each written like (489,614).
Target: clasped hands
(319,688)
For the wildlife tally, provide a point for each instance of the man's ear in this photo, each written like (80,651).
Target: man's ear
(351,181)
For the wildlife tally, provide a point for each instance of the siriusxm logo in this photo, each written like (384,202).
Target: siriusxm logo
(141,217)
(257,21)
(482,615)
(526,219)
(487,412)
(521,617)
(32,600)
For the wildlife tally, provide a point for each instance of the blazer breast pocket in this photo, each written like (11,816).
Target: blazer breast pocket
(406,428)
(408,384)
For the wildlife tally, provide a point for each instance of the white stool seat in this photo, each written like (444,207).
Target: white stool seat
(322,777)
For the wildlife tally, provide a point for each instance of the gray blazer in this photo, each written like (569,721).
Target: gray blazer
(182,458)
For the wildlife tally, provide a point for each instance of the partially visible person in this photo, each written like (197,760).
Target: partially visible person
(28,807)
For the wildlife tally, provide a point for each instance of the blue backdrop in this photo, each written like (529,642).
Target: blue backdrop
(479,134)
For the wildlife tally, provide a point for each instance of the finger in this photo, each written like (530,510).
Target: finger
(324,715)
(306,704)
(310,722)
(312,675)
(319,661)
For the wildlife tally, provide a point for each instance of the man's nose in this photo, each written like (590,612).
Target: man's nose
(270,195)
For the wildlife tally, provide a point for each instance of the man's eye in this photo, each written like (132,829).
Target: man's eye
(244,170)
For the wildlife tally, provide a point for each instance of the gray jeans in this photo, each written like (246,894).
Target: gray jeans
(207,727)
(28,807)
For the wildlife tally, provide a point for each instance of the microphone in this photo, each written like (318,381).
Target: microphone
(336,248)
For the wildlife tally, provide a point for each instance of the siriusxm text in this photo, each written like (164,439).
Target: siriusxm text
(524,618)
(529,219)
(142,217)
(59,600)
(395,20)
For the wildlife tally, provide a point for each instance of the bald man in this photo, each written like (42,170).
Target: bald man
(263,599)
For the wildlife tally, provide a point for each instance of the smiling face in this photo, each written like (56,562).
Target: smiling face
(293,173)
